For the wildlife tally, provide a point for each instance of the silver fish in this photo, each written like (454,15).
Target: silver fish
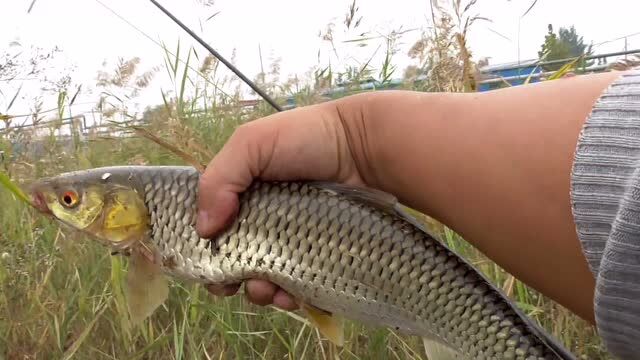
(341,251)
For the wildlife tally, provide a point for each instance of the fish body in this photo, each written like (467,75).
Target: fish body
(341,251)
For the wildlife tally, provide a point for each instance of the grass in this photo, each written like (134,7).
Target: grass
(61,295)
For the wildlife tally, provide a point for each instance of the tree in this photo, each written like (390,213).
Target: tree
(565,44)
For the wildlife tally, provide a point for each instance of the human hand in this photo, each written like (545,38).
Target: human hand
(506,195)
(318,142)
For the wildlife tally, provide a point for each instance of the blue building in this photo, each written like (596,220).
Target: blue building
(509,74)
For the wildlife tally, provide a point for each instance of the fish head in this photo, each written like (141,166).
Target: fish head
(107,205)
(109,209)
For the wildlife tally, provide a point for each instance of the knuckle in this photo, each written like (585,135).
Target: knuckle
(243,131)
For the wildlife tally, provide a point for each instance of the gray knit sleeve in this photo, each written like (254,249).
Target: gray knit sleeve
(605,199)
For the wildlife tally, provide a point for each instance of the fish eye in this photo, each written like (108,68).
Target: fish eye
(69,199)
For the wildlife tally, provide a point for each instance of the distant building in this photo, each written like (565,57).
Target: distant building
(508,74)
(489,77)
(518,72)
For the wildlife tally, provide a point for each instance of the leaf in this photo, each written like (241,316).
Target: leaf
(175,65)
(565,68)
(5,117)
(528,79)
(211,17)
(87,330)
(14,98)
(159,341)
(183,85)
(530,7)
(62,96)
(361,39)
(5,180)
(73,99)
(469,5)
(166,102)
(31,6)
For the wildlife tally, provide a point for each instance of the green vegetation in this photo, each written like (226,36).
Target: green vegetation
(61,295)
(563,45)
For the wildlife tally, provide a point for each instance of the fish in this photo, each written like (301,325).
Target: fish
(342,251)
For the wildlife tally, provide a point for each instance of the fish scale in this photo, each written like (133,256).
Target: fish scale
(351,252)
(343,256)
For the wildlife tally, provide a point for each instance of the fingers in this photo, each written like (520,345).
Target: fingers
(259,292)
(284,301)
(216,210)
(229,173)
(263,293)
(304,143)
(223,290)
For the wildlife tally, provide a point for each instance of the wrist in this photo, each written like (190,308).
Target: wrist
(387,130)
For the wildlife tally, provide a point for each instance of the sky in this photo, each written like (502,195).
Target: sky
(90,34)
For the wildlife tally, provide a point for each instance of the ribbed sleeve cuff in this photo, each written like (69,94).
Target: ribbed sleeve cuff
(605,196)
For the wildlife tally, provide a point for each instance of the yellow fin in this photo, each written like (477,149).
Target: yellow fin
(147,287)
(329,325)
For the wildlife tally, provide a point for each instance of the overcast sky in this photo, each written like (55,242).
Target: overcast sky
(89,34)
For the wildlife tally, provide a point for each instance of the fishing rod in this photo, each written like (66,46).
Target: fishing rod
(217,55)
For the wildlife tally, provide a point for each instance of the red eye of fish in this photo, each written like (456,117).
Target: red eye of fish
(69,199)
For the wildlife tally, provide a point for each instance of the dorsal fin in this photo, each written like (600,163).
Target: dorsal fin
(373,197)
(376,198)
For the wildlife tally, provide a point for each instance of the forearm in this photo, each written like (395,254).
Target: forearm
(494,167)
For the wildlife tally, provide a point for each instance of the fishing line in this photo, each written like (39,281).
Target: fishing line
(213,52)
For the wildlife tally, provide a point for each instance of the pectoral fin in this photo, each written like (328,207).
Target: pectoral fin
(329,325)
(146,289)
(436,350)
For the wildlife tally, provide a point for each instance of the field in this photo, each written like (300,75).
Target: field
(61,295)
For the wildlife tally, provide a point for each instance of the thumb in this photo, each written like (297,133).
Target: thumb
(302,143)
(230,172)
